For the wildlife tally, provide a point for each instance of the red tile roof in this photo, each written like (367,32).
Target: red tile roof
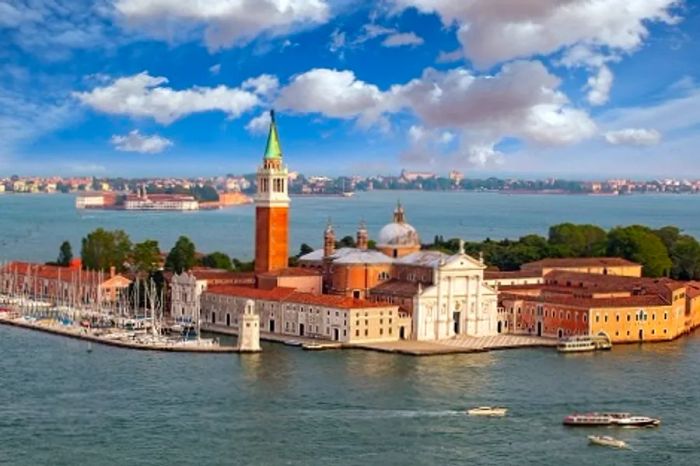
(496,274)
(289,295)
(53,272)
(292,272)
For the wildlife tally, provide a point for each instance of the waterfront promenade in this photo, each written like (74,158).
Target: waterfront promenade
(457,345)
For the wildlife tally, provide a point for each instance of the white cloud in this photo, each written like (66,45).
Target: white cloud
(483,154)
(24,118)
(264,85)
(522,101)
(224,23)
(259,124)
(599,86)
(215,69)
(450,57)
(333,93)
(143,95)
(494,31)
(52,30)
(401,39)
(634,137)
(137,142)
(337,42)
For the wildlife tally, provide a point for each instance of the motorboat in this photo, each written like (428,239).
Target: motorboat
(492,411)
(637,421)
(607,441)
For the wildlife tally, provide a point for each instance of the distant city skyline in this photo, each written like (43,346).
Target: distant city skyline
(129,88)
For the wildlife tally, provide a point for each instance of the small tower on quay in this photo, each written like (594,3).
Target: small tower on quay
(249,331)
(272,207)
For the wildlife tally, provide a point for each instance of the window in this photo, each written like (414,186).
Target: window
(357,333)
(628,333)
(366,322)
(605,318)
(381,331)
(389,330)
(665,331)
(629,318)
(585,317)
(597,318)
(653,316)
(665,318)
(366,332)
(381,321)
(617,317)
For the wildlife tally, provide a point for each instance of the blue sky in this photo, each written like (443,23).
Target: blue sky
(574,88)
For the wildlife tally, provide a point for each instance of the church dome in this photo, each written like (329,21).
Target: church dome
(398,233)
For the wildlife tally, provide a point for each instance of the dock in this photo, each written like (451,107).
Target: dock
(83,334)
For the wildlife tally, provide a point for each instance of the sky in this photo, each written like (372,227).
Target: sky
(568,88)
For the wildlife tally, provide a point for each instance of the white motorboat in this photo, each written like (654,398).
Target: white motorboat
(607,441)
(637,421)
(493,411)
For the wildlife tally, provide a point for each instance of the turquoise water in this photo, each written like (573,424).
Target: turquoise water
(64,406)
(33,226)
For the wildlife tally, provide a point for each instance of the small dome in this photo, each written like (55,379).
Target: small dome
(398,234)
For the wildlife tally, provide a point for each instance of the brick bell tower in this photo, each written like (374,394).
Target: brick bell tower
(272,208)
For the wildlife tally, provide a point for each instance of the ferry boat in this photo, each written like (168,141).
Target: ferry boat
(492,411)
(576,345)
(607,441)
(581,343)
(610,419)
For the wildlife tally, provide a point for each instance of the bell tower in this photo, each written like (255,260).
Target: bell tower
(272,207)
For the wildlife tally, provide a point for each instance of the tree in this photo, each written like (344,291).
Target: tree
(305,249)
(217,260)
(102,249)
(685,257)
(639,244)
(570,240)
(345,242)
(146,256)
(181,256)
(65,254)
(668,235)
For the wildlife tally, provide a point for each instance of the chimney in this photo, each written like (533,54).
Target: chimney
(112,271)
(328,240)
(362,236)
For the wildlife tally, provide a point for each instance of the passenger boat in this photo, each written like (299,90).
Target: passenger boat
(576,345)
(610,419)
(492,411)
(607,441)
(588,420)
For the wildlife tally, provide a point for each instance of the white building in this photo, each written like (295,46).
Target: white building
(457,302)
(89,200)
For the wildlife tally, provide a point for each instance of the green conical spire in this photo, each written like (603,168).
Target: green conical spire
(273,149)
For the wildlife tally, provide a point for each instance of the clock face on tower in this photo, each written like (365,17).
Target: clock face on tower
(272,207)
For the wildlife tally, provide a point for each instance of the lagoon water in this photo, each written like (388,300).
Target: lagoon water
(33,226)
(61,405)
